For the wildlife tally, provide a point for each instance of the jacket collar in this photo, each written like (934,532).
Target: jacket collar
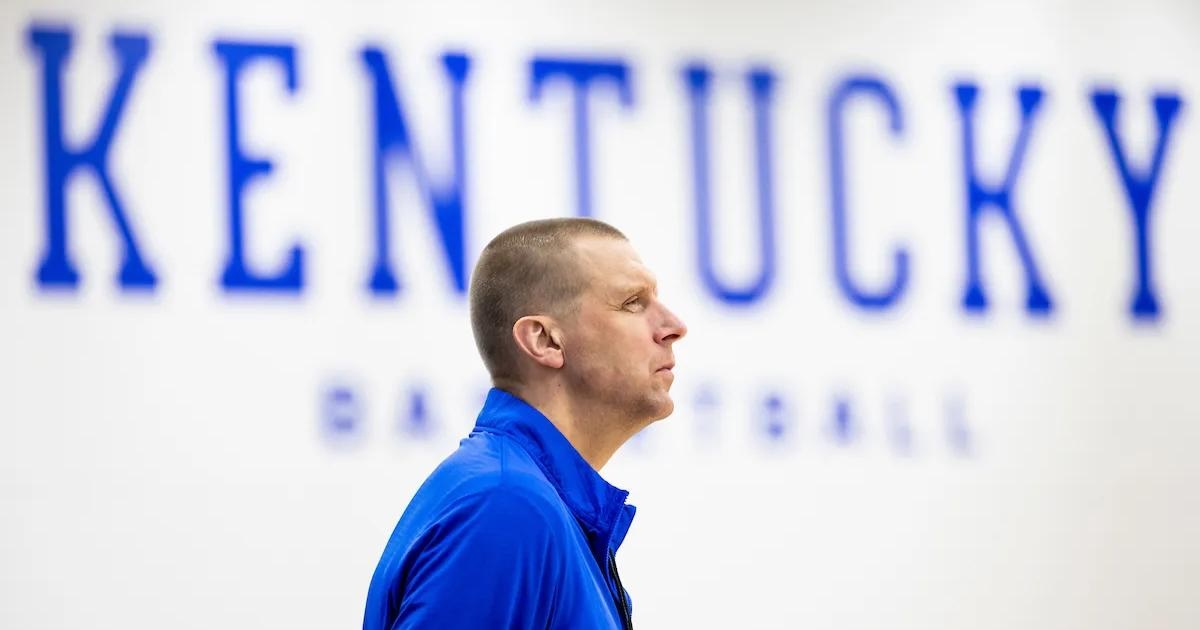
(598,505)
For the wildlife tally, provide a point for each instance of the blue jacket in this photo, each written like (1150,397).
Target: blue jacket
(513,530)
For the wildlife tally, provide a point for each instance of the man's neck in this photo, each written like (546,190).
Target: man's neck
(595,437)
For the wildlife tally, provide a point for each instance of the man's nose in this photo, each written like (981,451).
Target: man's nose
(672,329)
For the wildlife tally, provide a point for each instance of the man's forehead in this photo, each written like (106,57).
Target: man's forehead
(642,280)
(614,265)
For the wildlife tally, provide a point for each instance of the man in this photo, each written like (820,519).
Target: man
(516,529)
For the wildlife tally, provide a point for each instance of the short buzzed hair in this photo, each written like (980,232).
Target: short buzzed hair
(528,269)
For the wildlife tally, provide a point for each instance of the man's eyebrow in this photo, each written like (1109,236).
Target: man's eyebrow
(650,284)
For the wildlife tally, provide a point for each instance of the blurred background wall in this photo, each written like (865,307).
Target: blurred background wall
(939,262)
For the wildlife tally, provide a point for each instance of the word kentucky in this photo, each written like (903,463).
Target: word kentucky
(393,145)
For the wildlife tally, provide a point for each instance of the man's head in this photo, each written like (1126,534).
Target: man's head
(568,304)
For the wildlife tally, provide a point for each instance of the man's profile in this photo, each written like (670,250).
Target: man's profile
(517,529)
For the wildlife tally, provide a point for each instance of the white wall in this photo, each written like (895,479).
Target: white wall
(165,459)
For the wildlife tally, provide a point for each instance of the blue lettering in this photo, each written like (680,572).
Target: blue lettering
(982,196)
(760,81)
(958,434)
(844,430)
(899,428)
(1139,187)
(417,421)
(707,416)
(341,416)
(393,138)
(56,270)
(582,75)
(777,420)
(846,90)
(242,168)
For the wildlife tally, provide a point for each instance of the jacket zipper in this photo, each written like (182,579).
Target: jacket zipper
(622,603)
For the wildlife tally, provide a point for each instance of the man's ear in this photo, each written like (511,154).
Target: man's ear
(538,337)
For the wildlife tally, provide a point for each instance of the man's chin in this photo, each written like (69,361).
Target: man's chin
(664,409)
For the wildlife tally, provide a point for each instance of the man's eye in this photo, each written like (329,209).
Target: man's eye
(633,302)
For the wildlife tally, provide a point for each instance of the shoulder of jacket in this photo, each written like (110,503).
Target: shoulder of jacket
(513,493)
